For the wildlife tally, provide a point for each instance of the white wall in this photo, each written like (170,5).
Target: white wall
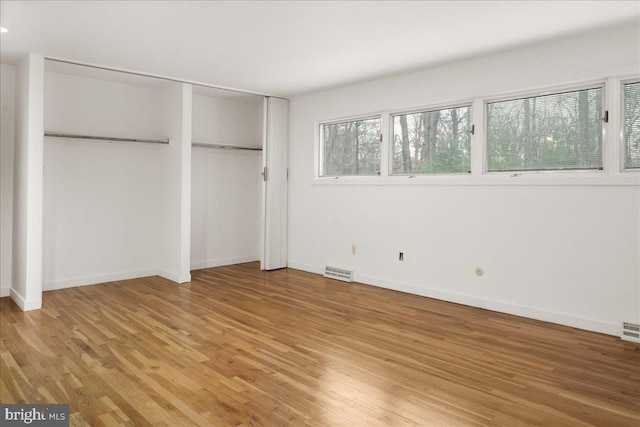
(26,288)
(225,203)
(225,119)
(103,202)
(562,248)
(7,124)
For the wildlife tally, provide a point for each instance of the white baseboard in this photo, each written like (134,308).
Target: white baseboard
(593,325)
(197,265)
(178,278)
(136,274)
(5,292)
(25,305)
(305,267)
(100,278)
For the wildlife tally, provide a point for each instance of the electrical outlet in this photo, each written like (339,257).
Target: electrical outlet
(401,256)
(353,249)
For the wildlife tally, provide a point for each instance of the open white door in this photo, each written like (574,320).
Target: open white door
(274,189)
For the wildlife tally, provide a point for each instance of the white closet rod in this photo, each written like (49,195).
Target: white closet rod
(225,147)
(148,140)
(107,138)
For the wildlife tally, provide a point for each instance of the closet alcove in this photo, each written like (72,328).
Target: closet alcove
(226,185)
(146,176)
(104,202)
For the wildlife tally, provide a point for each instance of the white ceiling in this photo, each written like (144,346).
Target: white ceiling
(295,47)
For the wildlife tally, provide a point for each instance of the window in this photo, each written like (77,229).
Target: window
(436,141)
(561,131)
(632,124)
(350,147)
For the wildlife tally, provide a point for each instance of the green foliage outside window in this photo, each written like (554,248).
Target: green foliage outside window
(351,148)
(436,141)
(552,132)
(632,124)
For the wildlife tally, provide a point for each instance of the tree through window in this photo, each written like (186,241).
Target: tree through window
(350,147)
(436,141)
(561,131)
(632,124)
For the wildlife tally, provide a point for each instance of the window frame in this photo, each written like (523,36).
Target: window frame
(533,93)
(612,173)
(319,133)
(427,109)
(621,122)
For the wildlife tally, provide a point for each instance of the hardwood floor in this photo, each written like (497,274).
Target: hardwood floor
(238,346)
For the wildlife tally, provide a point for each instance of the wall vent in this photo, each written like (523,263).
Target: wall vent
(631,332)
(338,274)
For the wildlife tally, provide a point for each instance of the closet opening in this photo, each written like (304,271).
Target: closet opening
(226,184)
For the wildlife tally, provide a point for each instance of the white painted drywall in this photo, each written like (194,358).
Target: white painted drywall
(7,124)
(227,120)
(562,248)
(26,288)
(103,201)
(225,203)
(175,231)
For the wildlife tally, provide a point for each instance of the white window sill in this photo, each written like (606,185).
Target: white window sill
(596,178)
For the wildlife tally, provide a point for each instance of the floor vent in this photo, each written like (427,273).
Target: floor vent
(631,332)
(338,274)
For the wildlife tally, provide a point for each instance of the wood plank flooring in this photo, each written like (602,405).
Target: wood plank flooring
(241,347)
